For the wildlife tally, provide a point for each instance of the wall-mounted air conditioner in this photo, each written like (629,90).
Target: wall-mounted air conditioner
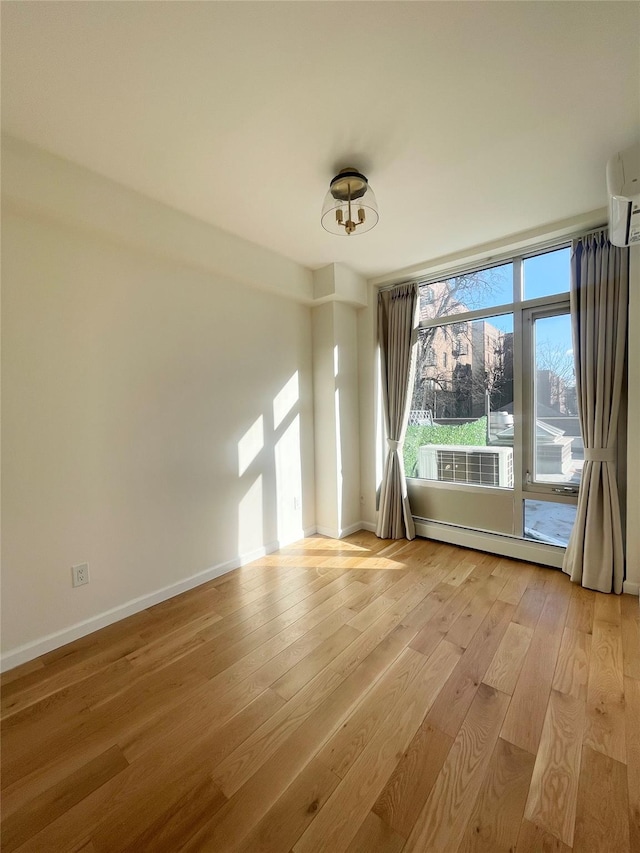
(623,184)
(452,463)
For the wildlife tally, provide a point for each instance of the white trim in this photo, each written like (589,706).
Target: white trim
(368,525)
(631,588)
(505,546)
(29,651)
(333,533)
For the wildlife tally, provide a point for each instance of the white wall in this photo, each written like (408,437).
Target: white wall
(326,460)
(157,422)
(337,418)
(633,445)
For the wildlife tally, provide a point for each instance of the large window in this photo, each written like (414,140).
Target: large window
(493,418)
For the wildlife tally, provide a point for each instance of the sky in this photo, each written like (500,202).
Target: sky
(544,275)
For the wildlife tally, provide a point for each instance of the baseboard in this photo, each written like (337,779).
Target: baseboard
(29,651)
(368,525)
(507,546)
(631,587)
(335,533)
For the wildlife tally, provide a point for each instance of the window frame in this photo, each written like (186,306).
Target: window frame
(539,488)
(521,309)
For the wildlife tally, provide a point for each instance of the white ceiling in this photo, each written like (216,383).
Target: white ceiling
(473,121)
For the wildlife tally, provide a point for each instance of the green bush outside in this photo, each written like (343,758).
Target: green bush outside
(473,433)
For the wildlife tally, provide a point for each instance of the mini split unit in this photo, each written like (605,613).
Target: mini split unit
(623,184)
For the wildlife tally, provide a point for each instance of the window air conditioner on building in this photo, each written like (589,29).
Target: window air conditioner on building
(451,463)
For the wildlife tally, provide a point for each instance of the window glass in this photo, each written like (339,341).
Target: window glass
(547,274)
(558,446)
(468,292)
(549,522)
(461,419)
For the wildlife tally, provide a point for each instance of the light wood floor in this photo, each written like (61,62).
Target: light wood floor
(338,696)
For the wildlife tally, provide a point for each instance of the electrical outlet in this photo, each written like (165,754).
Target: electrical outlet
(296,503)
(80,574)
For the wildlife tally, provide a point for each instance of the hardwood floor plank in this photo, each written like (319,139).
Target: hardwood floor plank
(295,678)
(473,615)
(374,587)
(348,806)
(179,763)
(441,823)
(95,643)
(632,714)
(374,834)
(406,791)
(581,607)
(603,805)
(415,620)
(530,605)
(44,809)
(496,818)
(516,585)
(534,839)
(274,657)
(411,581)
(554,786)
(162,822)
(292,813)
(377,632)
(19,672)
(525,717)
(74,685)
(507,662)
(605,729)
(460,690)
(440,624)
(249,805)
(607,608)
(220,733)
(240,765)
(572,668)
(459,573)
(344,748)
(174,821)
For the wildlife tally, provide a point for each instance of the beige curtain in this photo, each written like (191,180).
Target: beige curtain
(599,297)
(397,335)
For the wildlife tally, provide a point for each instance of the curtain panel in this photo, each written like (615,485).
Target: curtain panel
(397,336)
(599,308)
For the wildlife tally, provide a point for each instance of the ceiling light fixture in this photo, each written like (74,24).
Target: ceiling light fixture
(350,205)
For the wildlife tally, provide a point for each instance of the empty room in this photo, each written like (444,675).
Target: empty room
(320,405)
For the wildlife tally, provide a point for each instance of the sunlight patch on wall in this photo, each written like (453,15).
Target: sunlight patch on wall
(286,400)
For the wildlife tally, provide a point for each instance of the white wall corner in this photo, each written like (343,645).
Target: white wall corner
(339,283)
(341,532)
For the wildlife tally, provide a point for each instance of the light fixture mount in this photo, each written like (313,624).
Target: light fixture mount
(350,205)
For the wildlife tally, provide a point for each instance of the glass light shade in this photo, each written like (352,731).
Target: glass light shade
(350,205)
